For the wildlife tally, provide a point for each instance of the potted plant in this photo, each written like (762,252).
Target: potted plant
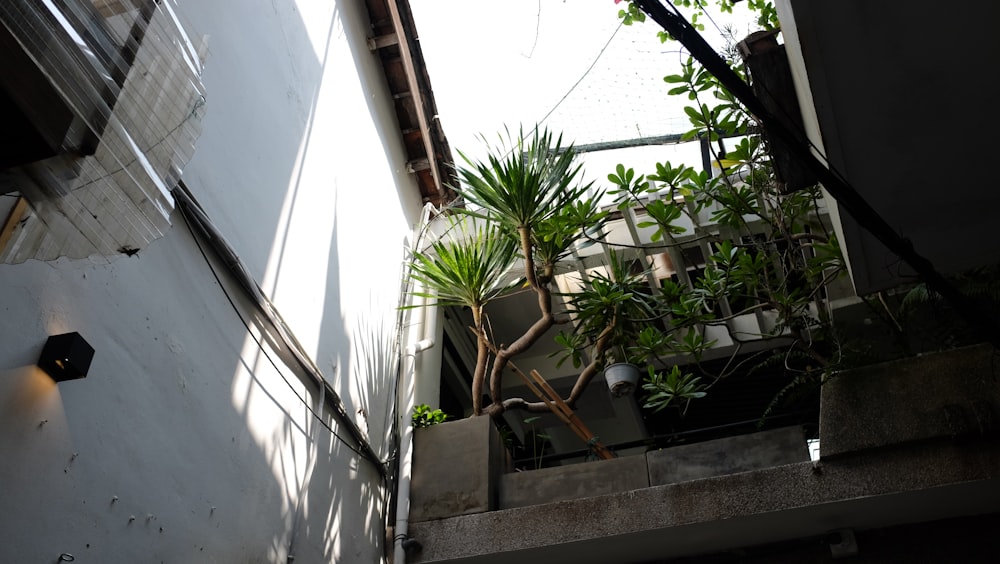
(621,378)
(610,308)
(527,209)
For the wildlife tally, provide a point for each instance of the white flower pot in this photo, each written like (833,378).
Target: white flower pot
(622,378)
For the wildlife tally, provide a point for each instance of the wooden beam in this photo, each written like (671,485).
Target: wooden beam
(423,120)
(416,165)
(382,41)
(559,406)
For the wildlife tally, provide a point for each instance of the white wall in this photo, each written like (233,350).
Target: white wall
(182,422)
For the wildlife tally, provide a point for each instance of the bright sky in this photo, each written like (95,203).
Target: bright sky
(505,64)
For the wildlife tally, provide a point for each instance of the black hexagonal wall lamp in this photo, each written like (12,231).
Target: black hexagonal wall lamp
(66,357)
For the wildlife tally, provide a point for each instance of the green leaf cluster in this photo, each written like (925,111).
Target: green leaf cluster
(468,266)
(671,387)
(753,249)
(424,416)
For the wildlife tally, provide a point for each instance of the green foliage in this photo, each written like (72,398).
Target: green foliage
(671,387)
(771,252)
(767,15)
(554,236)
(468,266)
(424,416)
(756,250)
(535,442)
(618,303)
(573,345)
(531,183)
(631,14)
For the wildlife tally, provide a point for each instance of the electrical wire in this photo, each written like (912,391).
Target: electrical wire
(577,83)
(538,25)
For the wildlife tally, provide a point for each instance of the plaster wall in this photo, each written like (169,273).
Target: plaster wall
(185,443)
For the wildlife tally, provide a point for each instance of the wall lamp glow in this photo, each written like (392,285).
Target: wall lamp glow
(66,357)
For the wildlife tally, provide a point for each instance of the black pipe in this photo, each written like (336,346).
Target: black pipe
(845,195)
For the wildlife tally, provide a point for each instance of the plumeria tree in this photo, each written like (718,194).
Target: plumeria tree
(777,255)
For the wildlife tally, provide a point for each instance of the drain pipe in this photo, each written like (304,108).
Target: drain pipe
(422,334)
(428,321)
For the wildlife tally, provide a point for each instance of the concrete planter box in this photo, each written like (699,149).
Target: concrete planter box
(730,455)
(462,468)
(456,469)
(947,394)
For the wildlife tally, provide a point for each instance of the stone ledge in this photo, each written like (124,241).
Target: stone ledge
(877,489)
(456,467)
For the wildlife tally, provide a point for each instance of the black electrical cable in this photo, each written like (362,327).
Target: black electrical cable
(190,209)
(260,345)
(677,26)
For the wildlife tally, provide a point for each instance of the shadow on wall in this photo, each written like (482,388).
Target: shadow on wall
(333,498)
(357,335)
(145,459)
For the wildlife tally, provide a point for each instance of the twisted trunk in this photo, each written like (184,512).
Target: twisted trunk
(545,321)
(588,373)
(482,357)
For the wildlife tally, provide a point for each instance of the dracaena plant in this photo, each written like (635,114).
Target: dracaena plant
(533,210)
(468,267)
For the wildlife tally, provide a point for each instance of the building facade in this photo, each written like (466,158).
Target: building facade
(209,428)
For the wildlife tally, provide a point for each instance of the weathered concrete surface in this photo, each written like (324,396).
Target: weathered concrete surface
(456,467)
(546,485)
(949,394)
(730,455)
(906,484)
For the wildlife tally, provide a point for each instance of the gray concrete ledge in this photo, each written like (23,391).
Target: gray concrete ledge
(892,486)
(456,469)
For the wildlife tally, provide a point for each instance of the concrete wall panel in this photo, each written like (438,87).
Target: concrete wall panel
(730,455)
(547,485)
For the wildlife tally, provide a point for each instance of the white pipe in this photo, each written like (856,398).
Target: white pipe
(426,325)
(428,321)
